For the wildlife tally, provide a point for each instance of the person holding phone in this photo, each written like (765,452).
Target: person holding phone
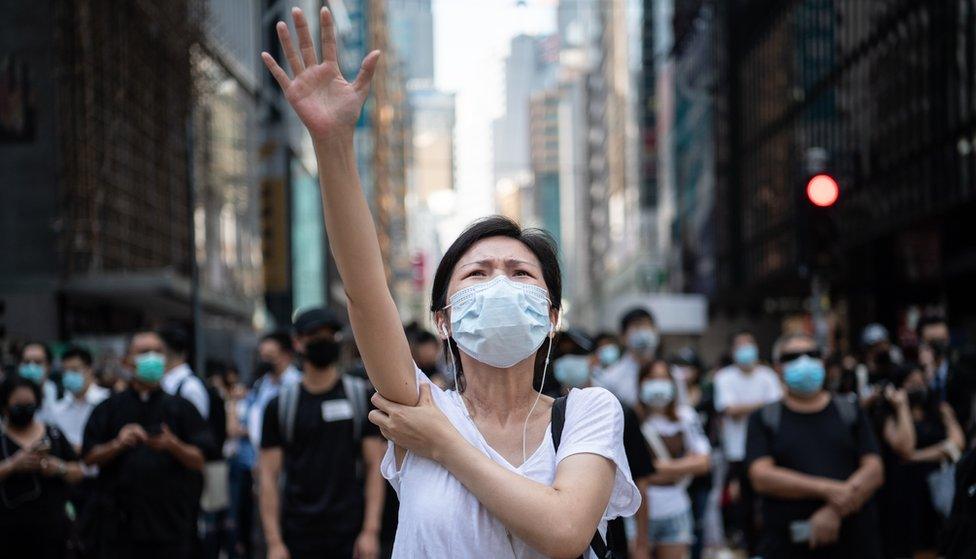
(36,465)
(814,461)
(149,447)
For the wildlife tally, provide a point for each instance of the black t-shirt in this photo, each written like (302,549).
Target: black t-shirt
(635,446)
(149,496)
(322,500)
(818,444)
(32,502)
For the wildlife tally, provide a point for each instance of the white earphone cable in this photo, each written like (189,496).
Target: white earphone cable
(525,426)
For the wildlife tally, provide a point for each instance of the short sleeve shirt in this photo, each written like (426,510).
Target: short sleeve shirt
(733,387)
(154,496)
(322,499)
(31,500)
(439,517)
(817,444)
(683,437)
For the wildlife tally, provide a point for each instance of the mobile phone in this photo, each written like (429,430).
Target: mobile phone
(800,531)
(155,429)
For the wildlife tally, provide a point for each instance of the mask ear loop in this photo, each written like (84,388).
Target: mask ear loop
(525,426)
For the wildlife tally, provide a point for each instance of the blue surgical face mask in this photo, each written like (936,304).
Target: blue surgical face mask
(31,371)
(657,393)
(804,375)
(643,341)
(572,371)
(746,355)
(73,381)
(608,354)
(150,367)
(500,322)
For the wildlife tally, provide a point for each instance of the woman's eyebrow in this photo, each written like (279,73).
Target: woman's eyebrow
(508,261)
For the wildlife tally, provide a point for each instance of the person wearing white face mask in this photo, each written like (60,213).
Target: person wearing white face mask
(639,332)
(477,468)
(680,451)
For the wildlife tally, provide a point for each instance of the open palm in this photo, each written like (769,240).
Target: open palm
(325,102)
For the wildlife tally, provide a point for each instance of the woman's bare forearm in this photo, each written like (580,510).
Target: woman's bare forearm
(355,246)
(558,521)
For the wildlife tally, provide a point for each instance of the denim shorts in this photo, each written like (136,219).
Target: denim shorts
(675,529)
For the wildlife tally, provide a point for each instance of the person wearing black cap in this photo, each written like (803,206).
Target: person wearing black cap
(316,432)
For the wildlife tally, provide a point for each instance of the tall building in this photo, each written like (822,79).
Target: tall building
(429,150)
(411,29)
(544,158)
(530,67)
(126,169)
(869,83)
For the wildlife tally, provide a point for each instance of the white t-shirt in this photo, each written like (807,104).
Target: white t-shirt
(70,414)
(439,517)
(733,387)
(671,500)
(190,386)
(621,379)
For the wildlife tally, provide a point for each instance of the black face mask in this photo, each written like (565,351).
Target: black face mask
(939,348)
(918,397)
(21,415)
(262,368)
(321,352)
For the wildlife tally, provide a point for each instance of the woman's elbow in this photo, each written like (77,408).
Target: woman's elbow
(570,543)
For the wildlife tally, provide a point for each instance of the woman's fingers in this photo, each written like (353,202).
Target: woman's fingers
(279,74)
(378,418)
(382,403)
(365,77)
(284,37)
(329,51)
(304,38)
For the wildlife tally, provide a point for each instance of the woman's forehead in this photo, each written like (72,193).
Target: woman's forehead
(500,249)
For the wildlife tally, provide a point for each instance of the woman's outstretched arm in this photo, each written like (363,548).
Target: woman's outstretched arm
(329,106)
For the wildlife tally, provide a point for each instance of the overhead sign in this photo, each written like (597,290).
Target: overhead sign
(675,313)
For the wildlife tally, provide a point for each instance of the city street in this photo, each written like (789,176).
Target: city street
(670,279)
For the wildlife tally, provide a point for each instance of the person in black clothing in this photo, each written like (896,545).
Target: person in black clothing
(316,433)
(947,380)
(36,464)
(917,433)
(149,447)
(814,461)
(574,369)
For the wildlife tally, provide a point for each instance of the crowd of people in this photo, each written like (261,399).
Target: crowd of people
(810,455)
(501,434)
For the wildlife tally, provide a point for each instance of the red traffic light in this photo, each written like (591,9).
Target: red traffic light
(823,190)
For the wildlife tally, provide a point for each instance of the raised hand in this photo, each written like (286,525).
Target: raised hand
(326,103)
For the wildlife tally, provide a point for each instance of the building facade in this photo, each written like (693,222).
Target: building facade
(887,90)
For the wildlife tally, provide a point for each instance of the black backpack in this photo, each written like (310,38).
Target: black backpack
(597,544)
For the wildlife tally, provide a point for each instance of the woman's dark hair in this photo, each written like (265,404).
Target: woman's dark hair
(12,383)
(542,245)
(646,370)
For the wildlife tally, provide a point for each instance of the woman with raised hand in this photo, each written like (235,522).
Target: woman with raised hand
(477,468)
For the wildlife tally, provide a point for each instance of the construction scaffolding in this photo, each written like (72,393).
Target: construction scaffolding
(125,91)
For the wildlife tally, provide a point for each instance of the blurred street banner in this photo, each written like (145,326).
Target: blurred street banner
(674,313)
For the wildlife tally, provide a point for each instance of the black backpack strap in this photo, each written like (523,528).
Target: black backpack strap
(357,393)
(847,407)
(287,409)
(558,420)
(770,415)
